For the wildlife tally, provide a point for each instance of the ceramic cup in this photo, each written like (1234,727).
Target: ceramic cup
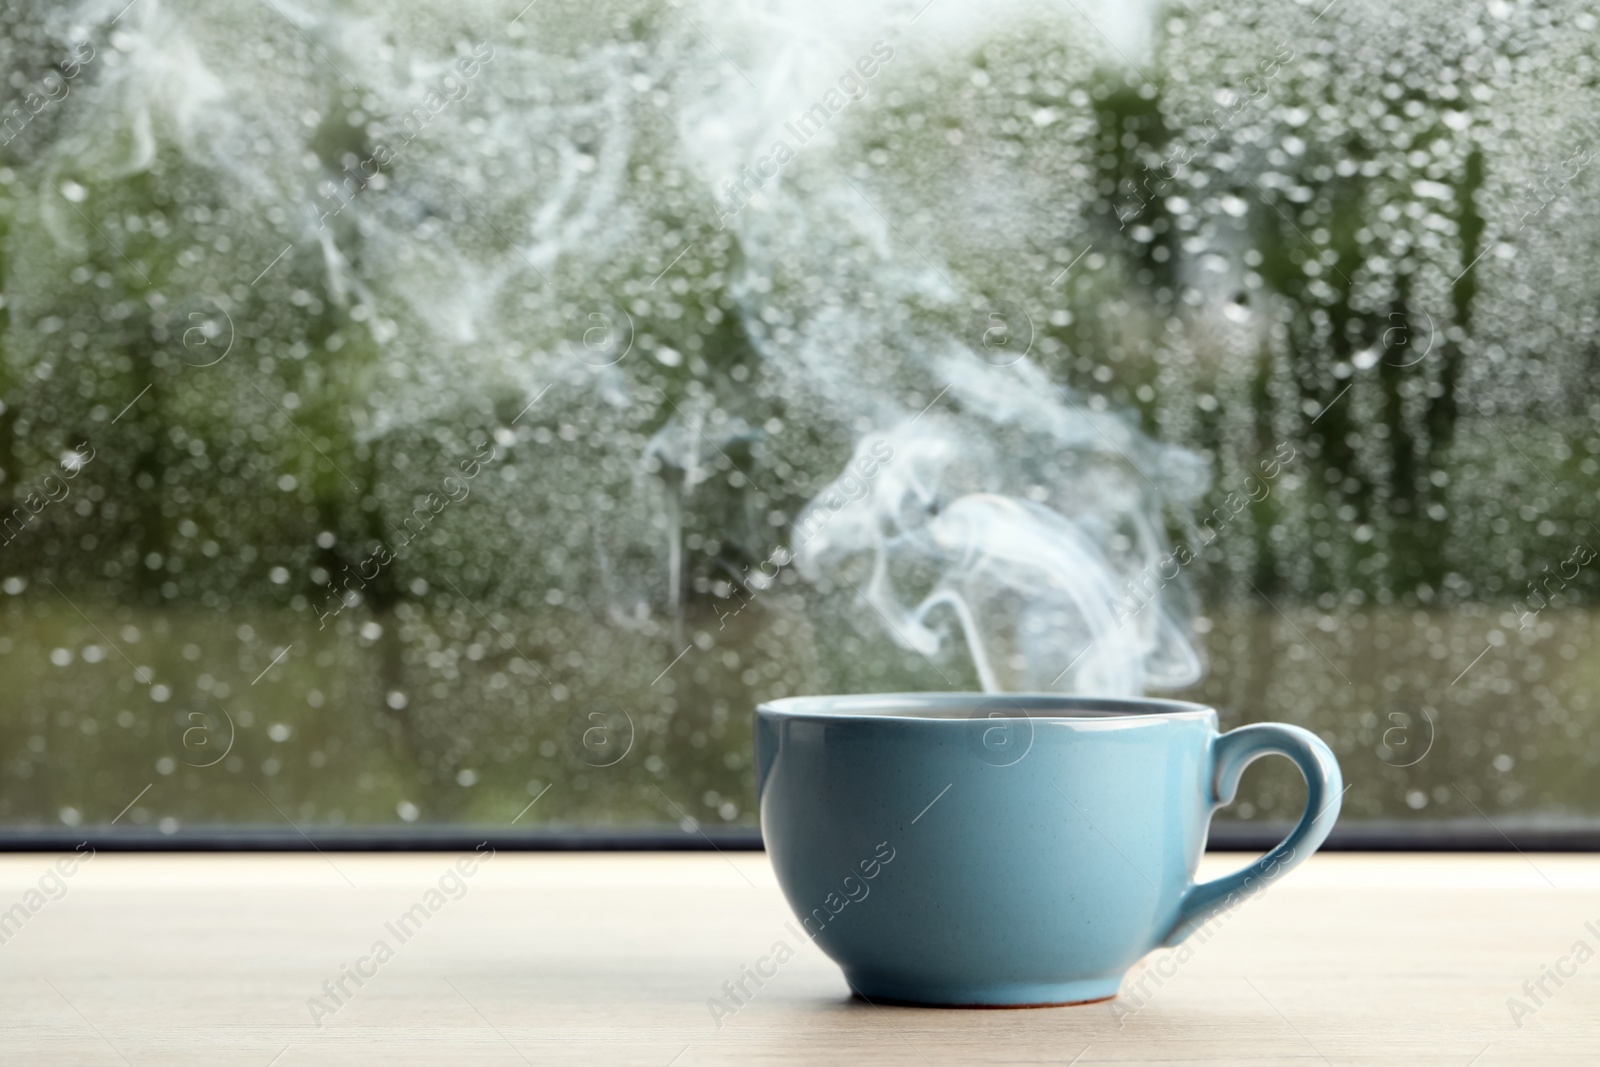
(971,849)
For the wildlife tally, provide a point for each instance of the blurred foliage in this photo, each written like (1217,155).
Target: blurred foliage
(1335,254)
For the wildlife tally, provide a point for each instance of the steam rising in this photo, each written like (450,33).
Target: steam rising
(1000,511)
(1006,510)
(1034,590)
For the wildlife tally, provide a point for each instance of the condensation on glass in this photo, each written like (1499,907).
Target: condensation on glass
(413,411)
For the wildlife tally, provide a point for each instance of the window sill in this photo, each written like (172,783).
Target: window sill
(612,958)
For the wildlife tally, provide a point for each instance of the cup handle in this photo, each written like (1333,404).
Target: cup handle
(1231,753)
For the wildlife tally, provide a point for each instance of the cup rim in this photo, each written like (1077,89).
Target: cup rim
(889,707)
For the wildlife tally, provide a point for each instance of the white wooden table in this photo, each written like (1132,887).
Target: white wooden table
(613,958)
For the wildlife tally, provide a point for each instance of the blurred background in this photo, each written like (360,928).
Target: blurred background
(410,411)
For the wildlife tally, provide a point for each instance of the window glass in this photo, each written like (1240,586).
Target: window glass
(409,412)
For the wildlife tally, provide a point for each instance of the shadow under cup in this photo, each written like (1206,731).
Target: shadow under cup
(1009,850)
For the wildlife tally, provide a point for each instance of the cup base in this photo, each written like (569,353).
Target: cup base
(894,990)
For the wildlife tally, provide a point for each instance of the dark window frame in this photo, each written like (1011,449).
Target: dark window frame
(1444,836)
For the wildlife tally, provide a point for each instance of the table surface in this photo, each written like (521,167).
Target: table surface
(612,958)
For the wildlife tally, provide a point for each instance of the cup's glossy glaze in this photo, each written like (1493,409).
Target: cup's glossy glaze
(1039,845)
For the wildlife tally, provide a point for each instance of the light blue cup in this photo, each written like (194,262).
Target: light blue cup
(968,849)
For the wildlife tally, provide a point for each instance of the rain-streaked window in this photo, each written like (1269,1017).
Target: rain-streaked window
(410,412)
